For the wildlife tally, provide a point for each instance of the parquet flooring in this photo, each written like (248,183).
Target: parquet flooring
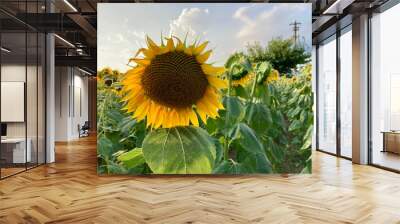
(69,191)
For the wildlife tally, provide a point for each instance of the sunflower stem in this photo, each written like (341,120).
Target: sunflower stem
(226,150)
(253,88)
(145,126)
(229,83)
(226,145)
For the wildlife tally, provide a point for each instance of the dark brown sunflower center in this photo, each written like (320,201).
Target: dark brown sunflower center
(174,79)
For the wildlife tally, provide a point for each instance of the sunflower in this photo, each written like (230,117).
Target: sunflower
(236,65)
(241,77)
(273,75)
(171,83)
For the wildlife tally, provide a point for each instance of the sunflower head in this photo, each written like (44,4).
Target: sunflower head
(241,77)
(239,69)
(272,76)
(171,84)
(108,76)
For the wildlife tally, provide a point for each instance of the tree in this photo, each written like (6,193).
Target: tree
(283,54)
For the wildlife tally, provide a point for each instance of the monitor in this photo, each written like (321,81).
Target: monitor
(3,129)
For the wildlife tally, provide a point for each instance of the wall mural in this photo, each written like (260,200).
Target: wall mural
(204,88)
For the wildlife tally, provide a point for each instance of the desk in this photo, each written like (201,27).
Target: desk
(16,147)
(391,141)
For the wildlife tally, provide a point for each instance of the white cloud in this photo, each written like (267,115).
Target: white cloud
(191,21)
(115,38)
(259,25)
(241,14)
(138,37)
(228,28)
(137,34)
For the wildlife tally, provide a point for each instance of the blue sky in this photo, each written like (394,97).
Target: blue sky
(122,27)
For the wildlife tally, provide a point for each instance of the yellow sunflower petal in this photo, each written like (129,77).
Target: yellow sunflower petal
(131,94)
(214,98)
(200,48)
(137,71)
(156,112)
(211,105)
(170,44)
(174,118)
(151,45)
(211,70)
(133,105)
(140,61)
(165,117)
(189,50)
(180,46)
(193,118)
(217,82)
(203,57)
(168,119)
(133,85)
(186,117)
(203,115)
(148,53)
(160,117)
(141,110)
(204,106)
(181,117)
(152,113)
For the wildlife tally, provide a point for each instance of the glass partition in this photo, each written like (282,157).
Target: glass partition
(22,101)
(13,94)
(327,95)
(346,92)
(385,89)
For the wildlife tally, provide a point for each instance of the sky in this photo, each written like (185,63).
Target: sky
(230,27)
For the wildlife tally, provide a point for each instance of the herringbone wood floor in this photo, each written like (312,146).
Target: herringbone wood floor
(70,191)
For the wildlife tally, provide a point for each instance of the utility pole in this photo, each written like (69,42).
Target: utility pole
(296,27)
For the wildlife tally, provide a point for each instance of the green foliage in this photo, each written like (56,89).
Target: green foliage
(283,54)
(229,167)
(294,100)
(266,126)
(180,150)
(132,159)
(263,69)
(258,116)
(117,131)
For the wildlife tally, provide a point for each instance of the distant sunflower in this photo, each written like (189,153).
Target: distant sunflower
(171,83)
(274,75)
(241,77)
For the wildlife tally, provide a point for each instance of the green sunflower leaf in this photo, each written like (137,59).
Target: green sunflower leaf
(229,167)
(247,139)
(258,117)
(233,112)
(180,150)
(132,158)
(256,163)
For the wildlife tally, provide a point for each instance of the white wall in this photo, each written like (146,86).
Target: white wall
(62,82)
(71,102)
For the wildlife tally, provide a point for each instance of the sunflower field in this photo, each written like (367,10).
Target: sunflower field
(174,112)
